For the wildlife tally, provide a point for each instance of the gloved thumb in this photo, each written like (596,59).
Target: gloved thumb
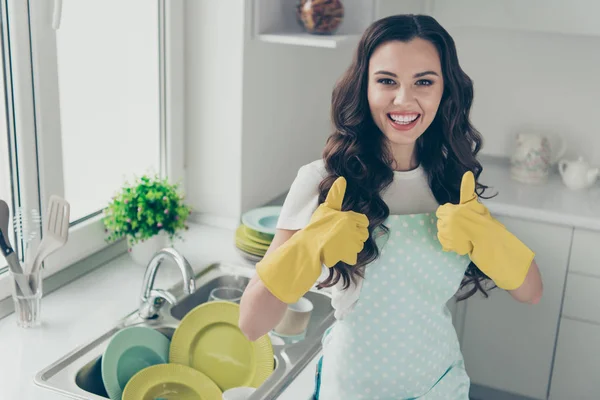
(467,188)
(335,196)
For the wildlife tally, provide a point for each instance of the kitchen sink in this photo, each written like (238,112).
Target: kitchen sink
(78,374)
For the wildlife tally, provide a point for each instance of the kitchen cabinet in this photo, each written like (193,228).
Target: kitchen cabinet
(577,363)
(579,17)
(577,360)
(508,345)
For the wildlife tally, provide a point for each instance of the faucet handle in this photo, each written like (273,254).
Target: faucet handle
(150,306)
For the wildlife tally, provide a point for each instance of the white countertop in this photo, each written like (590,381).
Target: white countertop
(551,202)
(88,307)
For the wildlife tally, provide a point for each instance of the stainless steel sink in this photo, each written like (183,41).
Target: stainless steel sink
(78,374)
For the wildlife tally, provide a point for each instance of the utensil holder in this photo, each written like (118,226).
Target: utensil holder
(27,296)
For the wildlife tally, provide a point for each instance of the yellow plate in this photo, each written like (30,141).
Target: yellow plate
(255,236)
(172,382)
(240,237)
(210,341)
(250,249)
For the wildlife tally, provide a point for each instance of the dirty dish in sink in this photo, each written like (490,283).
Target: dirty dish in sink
(263,220)
(130,351)
(172,382)
(209,340)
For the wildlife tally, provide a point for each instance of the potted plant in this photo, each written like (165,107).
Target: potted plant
(148,213)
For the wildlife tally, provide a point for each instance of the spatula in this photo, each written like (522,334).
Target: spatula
(56,230)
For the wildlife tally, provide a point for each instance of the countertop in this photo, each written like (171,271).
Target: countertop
(89,306)
(551,202)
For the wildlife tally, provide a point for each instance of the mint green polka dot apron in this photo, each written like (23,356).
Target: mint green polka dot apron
(399,341)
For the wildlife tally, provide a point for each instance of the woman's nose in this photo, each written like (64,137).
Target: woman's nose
(403,96)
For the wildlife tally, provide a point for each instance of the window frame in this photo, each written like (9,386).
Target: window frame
(32,76)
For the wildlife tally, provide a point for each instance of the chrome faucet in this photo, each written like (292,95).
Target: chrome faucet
(151,300)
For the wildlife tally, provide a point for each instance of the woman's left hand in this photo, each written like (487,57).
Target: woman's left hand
(469,228)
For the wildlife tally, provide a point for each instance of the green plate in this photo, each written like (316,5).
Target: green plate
(130,351)
(171,382)
(263,220)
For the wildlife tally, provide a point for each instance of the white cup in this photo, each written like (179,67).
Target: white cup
(296,318)
(238,393)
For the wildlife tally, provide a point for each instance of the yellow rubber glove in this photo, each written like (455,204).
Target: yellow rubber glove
(469,228)
(331,236)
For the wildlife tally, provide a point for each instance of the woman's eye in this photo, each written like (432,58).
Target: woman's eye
(386,81)
(424,82)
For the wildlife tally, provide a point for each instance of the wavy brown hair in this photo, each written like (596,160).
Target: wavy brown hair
(359,151)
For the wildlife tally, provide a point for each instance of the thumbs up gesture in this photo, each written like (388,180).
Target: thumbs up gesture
(340,234)
(332,235)
(469,228)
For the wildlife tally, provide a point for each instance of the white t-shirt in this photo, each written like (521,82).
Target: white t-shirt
(409,193)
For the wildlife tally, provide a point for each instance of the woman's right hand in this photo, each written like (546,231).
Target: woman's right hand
(331,236)
(339,234)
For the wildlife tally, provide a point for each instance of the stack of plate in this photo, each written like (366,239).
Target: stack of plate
(255,233)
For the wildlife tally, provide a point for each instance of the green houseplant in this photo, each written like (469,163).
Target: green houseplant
(146,212)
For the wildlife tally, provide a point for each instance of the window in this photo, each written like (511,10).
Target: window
(95,92)
(5,159)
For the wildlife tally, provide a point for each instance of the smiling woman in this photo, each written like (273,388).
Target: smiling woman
(88,108)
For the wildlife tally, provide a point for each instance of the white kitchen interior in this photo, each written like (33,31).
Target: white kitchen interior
(229,98)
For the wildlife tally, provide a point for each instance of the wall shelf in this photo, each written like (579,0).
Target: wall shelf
(275,22)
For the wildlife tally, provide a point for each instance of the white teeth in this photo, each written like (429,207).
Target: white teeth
(404,119)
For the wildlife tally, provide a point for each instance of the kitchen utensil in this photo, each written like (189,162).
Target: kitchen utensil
(263,220)
(27,228)
(56,230)
(238,393)
(296,318)
(209,340)
(128,352)
(171,381)
(27,298)
(22,290)
(7,250)
(225,293)
(577,174)
(533,157)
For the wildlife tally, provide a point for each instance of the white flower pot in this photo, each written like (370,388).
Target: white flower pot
(142,252)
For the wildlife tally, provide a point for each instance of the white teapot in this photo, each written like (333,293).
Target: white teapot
(577,174)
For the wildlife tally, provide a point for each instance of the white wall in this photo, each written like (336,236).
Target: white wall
(532,81)
(214,68)
(255,112)
(287,96)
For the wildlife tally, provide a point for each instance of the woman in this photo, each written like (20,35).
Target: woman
(391,214)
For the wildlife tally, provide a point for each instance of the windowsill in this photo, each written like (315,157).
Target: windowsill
(219,247)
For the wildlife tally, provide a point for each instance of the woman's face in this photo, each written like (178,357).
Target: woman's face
(405,89)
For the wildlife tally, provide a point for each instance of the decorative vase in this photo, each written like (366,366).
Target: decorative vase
(142,252)
(320,17)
